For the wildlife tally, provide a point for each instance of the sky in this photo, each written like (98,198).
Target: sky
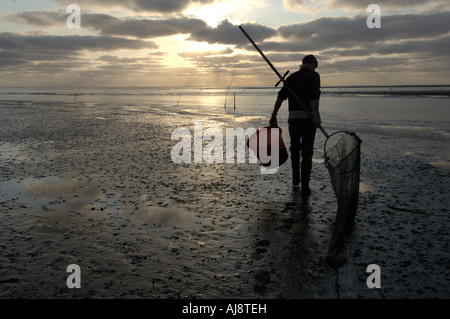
(198,42)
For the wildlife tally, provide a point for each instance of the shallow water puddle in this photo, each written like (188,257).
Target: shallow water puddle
(365,186)
(48,191)
(443,165)
(9,152)
(318,160)
(164,216)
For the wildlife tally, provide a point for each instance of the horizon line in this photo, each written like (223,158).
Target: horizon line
(212,86)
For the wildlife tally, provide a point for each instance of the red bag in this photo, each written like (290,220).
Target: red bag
(262,139)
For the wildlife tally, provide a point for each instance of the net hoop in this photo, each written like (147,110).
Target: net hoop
(330,137)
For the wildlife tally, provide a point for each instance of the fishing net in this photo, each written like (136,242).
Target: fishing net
(261,144)
(342,158)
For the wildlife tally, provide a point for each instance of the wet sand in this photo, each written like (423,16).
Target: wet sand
(95,185)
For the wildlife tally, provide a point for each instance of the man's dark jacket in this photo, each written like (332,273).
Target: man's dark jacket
(306,85)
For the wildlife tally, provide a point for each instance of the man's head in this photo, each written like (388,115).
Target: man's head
(310,62)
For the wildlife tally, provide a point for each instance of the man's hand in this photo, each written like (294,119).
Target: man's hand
(273,120)
(276,107)
(316,115)
(317,120)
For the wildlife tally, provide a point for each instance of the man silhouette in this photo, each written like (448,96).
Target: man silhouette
(302,123)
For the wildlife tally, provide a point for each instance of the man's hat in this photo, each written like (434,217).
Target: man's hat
(310,59)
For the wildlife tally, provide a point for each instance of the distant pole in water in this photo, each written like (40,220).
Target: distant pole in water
(76,94)
(235,100)
(179,97)
(226,96)
(181,92)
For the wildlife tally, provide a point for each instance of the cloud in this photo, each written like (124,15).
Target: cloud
(71,43)
(37,18)
(109,25)
(319,33)
(198,30)
(352,32)
(36,55)
(11,59)
(228,33)
(166,5)
(156,6)
(432,48)
(385,4)
(405,43)
(201,54)
(146,28)
(358,6)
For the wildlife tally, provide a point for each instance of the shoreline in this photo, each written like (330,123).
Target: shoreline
(400,93)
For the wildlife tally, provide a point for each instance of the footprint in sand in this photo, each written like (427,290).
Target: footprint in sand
(262,280)
(262,243)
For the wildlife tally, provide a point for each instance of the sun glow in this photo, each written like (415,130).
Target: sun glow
(204,46)
(213,13)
